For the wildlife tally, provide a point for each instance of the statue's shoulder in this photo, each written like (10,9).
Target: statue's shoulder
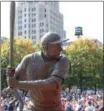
(32,55)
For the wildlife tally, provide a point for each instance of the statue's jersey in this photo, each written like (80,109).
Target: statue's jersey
(34,67)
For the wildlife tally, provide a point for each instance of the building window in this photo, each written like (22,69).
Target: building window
(33,37)
(29,25)
(41,30)
(19,11)
(19,22)
(47,25)
(33,9)
(33,14)
(19,17)
(33,25)
(29,31)
(25,9)
(33,31)
(45,15)
(20,27)
(46,30)
(24,20)
(25,32)
(24,25)
(29,9)
(41,24)
(25,15)
(19,33)
(40,36)
(45,10)
(33,20)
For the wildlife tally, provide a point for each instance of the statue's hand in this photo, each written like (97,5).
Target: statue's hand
(10,71)
(12,82)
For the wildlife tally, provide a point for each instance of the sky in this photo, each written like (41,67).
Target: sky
(88,15)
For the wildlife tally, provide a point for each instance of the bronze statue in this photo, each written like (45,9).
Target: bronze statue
(42,74)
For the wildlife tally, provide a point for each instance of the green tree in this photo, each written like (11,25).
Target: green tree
(87,62)
(22,47)
(4,62)
(37,47)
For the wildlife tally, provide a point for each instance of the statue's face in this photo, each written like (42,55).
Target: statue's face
(53,50)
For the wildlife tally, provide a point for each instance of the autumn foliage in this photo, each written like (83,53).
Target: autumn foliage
(86,56)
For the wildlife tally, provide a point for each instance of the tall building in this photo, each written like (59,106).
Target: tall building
(33,19)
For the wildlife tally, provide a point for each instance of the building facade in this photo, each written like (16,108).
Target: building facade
(33,19)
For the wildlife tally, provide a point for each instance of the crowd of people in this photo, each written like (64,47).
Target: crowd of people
(81,102)
(71,101)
